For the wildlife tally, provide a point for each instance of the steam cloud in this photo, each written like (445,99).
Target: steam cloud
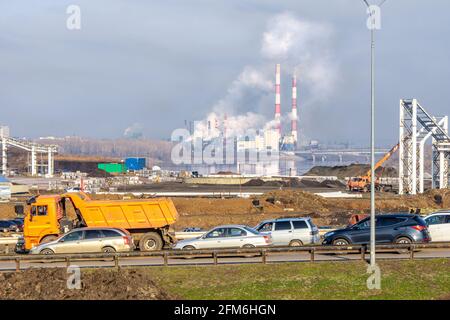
(134,131)
(300,46)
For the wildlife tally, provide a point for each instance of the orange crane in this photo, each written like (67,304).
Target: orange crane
(362,183)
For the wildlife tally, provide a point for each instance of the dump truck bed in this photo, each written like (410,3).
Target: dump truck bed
(127,214)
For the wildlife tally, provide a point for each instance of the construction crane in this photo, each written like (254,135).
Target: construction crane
(362,183)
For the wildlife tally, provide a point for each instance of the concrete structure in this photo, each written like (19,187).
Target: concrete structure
(416,127)
(289,141)
(34,149)
(278,98)
(294,116)
(4,131)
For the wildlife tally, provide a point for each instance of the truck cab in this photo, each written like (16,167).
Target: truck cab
(45,219)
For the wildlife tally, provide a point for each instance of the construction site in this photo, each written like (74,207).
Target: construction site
(268,191)
(412,175)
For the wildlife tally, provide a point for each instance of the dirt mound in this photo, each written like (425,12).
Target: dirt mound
(276,183)
(298,200)
(310,183)
(332,184)
(105,284)
(352,170)
(254,183)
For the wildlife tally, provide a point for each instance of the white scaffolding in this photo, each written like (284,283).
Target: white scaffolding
(32,148)
(416,127)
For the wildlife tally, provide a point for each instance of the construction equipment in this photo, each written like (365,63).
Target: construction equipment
(148,220)
(362,183)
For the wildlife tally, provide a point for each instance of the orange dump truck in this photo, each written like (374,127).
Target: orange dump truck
(148,220)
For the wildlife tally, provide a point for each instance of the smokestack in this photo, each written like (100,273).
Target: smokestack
(225,138)
(278,98)
(294,110)
(225,128)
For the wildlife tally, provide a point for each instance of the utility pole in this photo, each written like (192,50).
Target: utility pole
(372,26)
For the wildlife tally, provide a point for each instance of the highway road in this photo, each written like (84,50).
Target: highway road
(202,261)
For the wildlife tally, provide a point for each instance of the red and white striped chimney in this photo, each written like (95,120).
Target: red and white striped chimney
(278,98)
(294,115)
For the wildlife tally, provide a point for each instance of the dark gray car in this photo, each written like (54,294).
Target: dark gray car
(389,228)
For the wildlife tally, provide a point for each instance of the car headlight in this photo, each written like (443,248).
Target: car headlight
(328,234)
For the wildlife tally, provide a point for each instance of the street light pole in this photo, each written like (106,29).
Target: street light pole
(372,153)
(372,135)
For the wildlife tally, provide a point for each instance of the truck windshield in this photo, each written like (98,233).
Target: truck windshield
(39,210)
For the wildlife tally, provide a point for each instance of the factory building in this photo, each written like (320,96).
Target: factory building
(253,153)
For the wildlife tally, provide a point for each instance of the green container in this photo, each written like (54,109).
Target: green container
(112,167)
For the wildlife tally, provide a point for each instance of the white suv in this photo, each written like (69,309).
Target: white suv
(439,226)
(290,231)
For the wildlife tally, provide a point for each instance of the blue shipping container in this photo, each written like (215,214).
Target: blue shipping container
(135,163)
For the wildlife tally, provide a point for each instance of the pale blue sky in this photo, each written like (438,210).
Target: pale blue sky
(158,63)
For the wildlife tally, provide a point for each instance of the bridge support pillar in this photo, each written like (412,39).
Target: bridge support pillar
(4,157)
(33,161)
(50,165)
(416,127)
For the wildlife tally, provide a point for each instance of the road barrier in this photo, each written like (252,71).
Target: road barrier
(363,250)
(195,234)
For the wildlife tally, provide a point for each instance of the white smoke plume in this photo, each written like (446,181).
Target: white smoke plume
(300,46)
(135,131)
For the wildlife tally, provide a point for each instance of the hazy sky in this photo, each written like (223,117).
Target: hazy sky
(156,63)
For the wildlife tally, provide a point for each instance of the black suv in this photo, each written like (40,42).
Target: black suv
(389,228)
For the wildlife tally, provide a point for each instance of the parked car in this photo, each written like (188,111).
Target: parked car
(389,228)
(230,236)
(88,240)
(19,223)
(290,231)
(439,226)
(9,226)
(73,189)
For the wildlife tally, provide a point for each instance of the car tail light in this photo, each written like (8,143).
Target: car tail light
(267,239)
(126,240)
(419,227)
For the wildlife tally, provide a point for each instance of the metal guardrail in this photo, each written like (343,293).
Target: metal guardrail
(216,254)
(191,235)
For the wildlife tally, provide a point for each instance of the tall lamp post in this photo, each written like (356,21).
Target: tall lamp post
(372,26)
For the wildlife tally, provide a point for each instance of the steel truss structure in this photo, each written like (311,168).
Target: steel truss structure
(416,127)
(34,150)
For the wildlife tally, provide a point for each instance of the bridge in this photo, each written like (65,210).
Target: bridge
(34,149)
(325,154)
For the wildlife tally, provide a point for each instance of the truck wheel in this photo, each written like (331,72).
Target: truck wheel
(150,241)
(47,239)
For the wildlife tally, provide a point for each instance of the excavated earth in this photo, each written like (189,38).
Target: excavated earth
(210,212)
(105,284)
(207,213)
(352,170)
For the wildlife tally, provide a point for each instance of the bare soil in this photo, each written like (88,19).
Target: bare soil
(105,284)
(206,213)
(210,212)
(352,170)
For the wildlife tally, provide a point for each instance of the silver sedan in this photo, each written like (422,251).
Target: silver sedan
(86,240)
(230,236)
